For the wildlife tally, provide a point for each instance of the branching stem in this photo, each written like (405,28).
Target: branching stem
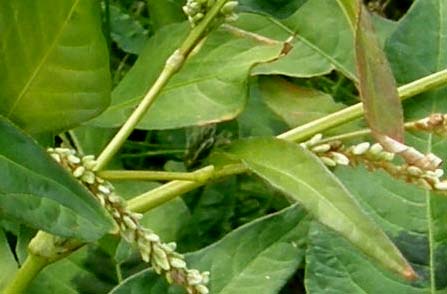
(350,113)
(201,175)
(173,65)
(26,274)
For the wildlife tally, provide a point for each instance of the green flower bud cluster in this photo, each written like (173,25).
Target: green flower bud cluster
(197,9)
(162,257)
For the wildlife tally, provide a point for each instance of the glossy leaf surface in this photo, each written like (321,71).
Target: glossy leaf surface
(54,68)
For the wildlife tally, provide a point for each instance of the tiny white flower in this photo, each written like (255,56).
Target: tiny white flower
(361,148)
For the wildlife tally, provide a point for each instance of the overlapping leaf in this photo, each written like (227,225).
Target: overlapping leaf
(296,105)
(378,90)
(212,86)
(323,41)
(303,177)
(278,8)
(256,258)
(54,70)
(414,219)
(36,191)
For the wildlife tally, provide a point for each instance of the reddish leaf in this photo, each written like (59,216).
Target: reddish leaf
(383,109)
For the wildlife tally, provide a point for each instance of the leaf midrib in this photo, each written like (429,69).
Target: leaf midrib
(43,60)
(321,196)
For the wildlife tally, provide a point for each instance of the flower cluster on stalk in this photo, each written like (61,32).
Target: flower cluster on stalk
(197,9)
(374,157)
(162,256)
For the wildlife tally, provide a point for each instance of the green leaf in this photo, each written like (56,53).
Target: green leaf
(277,8)
(54,70)
(323,42)
(327,272)
(296,105)
(301,176)
(257,119)
(256,258)
(8,263)
(378,90)
(415,219)
(75,274)
(128,33)
(350,9)
(165,12)
(212,87)
(37,191)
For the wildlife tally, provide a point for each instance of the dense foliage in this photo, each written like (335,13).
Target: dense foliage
(251,149)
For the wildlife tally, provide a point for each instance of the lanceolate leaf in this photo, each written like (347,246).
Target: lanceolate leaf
(415,219)
(54,70)
(256,258)
(377,86)
(303,177)
(36,191)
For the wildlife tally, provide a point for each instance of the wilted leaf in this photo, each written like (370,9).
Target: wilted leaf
(37,191)
(301,176)
(54,67)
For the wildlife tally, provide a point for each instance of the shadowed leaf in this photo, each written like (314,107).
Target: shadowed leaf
(37,191)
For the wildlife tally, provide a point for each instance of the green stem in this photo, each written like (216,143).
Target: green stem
(34,264)
(171,190)
(172,66)
(350,113)
(200,175)
(346,136)
(26,274)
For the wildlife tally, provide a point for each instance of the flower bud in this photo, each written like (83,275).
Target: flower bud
(361,148)
(321,148)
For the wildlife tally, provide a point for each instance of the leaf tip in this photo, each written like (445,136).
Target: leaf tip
(409,274)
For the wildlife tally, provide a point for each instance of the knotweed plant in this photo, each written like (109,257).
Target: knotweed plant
(250,110)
